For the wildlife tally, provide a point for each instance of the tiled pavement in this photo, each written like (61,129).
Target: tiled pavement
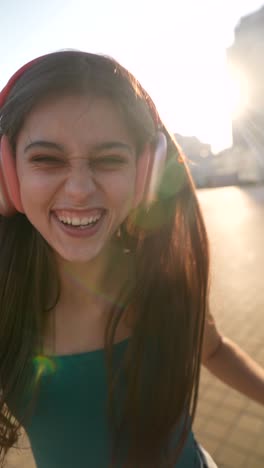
(228,425)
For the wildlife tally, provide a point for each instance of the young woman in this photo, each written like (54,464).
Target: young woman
(104,274)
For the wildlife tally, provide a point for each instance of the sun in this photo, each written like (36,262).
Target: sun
(238,92)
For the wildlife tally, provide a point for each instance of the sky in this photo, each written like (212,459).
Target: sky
(176,49)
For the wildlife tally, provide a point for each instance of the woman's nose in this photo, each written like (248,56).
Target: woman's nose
(80,182)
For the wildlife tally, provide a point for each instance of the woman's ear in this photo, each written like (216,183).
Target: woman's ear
(9,185)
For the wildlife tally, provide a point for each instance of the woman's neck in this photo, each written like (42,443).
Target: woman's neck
(88,293)
(95,286)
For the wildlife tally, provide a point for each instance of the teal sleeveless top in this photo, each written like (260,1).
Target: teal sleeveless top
(68,428)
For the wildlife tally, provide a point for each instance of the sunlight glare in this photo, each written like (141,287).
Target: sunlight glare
(238,92)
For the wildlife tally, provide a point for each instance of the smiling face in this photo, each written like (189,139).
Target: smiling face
(76,163)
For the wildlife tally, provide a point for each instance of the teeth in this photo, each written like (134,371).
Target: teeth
(78,221)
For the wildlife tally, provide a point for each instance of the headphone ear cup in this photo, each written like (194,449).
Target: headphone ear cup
(150,167)
(143,163)
(10,201)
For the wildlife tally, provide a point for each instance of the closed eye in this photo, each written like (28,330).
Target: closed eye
(108,161)
(47,159)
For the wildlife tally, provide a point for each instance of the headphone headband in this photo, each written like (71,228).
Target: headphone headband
(6,90)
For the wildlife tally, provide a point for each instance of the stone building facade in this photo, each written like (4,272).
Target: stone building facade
(247,56)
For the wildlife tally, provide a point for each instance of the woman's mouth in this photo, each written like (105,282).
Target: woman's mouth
(79,225)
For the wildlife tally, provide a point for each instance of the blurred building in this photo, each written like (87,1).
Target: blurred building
(198,157)
(232,166)
(247,56)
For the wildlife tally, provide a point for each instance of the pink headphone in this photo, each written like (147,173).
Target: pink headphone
(149,171)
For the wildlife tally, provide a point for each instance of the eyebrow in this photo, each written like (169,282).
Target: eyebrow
(97,147)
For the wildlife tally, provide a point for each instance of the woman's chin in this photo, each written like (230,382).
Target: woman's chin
(82,257)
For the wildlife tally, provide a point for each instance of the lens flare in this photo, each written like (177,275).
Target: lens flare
(44,366)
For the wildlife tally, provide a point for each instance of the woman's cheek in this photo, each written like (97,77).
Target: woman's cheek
(122,193)
(35,190)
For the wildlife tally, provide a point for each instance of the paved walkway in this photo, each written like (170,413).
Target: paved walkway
(228,425)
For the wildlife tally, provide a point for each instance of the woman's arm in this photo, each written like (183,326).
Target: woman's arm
(227,361)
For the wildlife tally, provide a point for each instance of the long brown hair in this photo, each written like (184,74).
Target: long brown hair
(170,252)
